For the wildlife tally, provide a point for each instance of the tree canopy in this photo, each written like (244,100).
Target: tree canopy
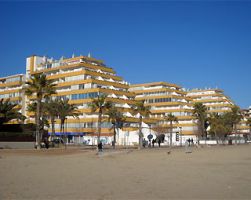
(8,111)
(100,104)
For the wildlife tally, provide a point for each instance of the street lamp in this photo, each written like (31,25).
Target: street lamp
(180,136)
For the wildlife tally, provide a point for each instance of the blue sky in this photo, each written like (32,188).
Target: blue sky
(194,44)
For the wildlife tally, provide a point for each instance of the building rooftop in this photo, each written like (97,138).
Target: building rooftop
(204,90)
(11,76)
(154,84)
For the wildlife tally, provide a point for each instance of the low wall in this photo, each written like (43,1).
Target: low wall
(17,145)
(210,142)
(214,142)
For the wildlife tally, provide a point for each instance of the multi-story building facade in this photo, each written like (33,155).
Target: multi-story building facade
(244,127)
(217,102)
(248,124)
(214,99)
(164,98)
(11,88)
(80,79)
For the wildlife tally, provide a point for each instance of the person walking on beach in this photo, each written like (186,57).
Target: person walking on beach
(189,140)
(144,142)
(153,141)
(159,142)
(100,147)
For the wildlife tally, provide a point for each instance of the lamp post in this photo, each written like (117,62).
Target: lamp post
(180,136)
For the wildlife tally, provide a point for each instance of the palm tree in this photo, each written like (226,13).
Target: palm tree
(117,119)
(236,117)
(101,105)
(42,88)
(64,110)
(8,111)
(231,119)
(228,121)
(143,111)
(43,122)
(171,119)
(200,112)
(217,125)
(52,110)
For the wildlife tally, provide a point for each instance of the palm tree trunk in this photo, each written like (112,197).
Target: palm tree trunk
(201,130)
(216,138)
(65,138)
(249,132)
(204,130)
(114,136)
(41,123)
(38,124)
(140,132)
(99,124)
(171,133)
(61,127)
(235,134)
(52,128)
(63,122)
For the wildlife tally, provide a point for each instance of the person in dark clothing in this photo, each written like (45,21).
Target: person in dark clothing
(159,142)
(192,142)
(100,147)
(189,140)
(153,141)
(144,143)
(46,142)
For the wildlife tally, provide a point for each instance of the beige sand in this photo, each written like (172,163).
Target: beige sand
(207,173)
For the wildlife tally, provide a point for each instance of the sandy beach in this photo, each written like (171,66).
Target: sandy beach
(206,173)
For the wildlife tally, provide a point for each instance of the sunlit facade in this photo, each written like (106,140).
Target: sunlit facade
(217,102)
(243,127)
(11,88)
(214,99)
(165,98)
(80,79)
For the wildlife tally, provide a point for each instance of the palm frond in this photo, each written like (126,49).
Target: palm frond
(8,111)
(140,108)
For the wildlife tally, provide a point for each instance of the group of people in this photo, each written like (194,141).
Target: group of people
(150,143)
(190,141)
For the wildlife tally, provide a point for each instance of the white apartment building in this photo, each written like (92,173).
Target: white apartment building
(11,88)
(164,98)
(80,79)
(214,99)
